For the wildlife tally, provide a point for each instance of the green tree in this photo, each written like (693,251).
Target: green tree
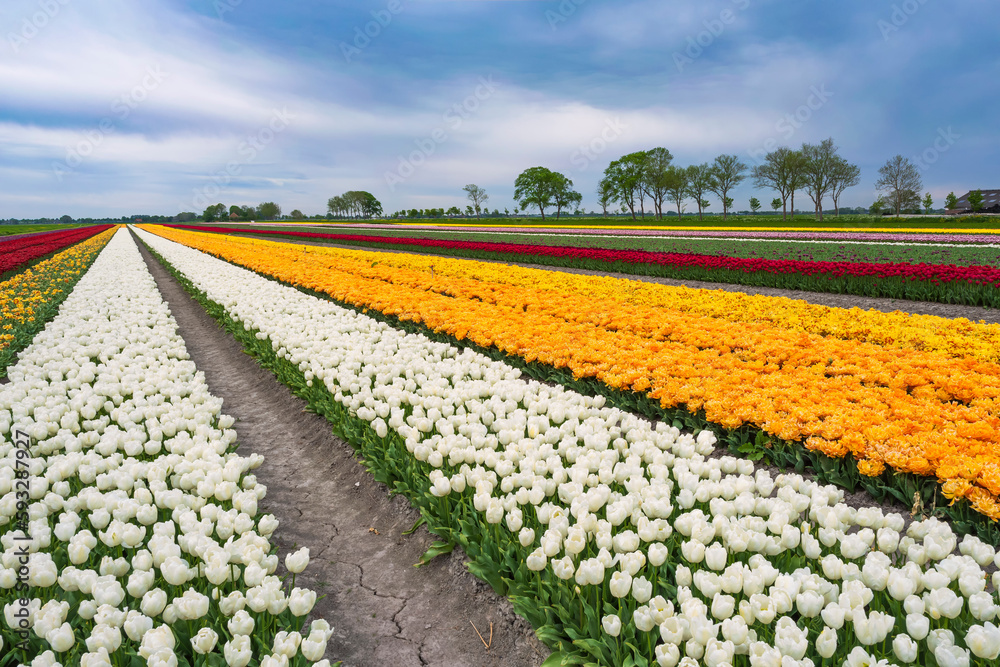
(605,194)
(535,187)
(66,219)
(454,210)
(728,171)
(900,182)
(976,200)
(563,194)
(676,180)
(845,175)
(928,202)
(336,206)
(776,203)
(877,206)
(626,178)
(701,179)
(754,204)
(951,201)
(268,210)
(297,215)
(356,204)
(657,166)
(477,196)
(370,206)
(214,212)
(238,212)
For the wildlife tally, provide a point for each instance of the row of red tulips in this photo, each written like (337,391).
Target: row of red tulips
(18,252)
(940,273)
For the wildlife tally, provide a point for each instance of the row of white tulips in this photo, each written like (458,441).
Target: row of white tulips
(143,529)
(601,498)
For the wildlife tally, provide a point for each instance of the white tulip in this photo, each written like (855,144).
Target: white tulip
(904,648)
(237,651)
(241,623)
(297,562)
(612,625)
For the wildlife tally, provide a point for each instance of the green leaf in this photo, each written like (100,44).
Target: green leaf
(554,660)
(488,575)
(436,549)
(421,521)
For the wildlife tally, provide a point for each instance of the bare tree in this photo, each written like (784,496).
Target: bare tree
(701,179)
(845,175)
(677,187)
(901,183)
(477,196)
(728,172)
(796,177)
(781,173)
(818,175)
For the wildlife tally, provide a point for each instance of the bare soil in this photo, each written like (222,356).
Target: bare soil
(383,610)
(953,311)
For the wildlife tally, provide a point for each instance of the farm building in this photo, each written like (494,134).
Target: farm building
(991,203)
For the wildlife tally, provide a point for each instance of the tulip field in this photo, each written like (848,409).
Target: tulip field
(651,475)
(963,275)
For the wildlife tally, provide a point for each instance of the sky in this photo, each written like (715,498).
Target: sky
(117,107)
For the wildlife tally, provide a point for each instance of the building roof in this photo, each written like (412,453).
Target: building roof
(991,198)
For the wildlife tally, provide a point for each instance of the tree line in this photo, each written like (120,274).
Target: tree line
(650,176)
(354,204)
(218,212)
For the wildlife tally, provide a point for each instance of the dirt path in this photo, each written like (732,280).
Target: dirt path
(383,610)
(954,311)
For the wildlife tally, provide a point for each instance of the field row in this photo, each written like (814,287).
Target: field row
(624,543)
(121,483)
(970,250)
(947,283)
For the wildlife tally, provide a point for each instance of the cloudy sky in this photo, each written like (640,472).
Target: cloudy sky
(117,107)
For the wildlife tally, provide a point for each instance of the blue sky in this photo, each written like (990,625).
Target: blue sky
(112,107)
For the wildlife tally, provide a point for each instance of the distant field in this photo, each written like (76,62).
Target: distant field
(800,221)
(12,230)
(876,252)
